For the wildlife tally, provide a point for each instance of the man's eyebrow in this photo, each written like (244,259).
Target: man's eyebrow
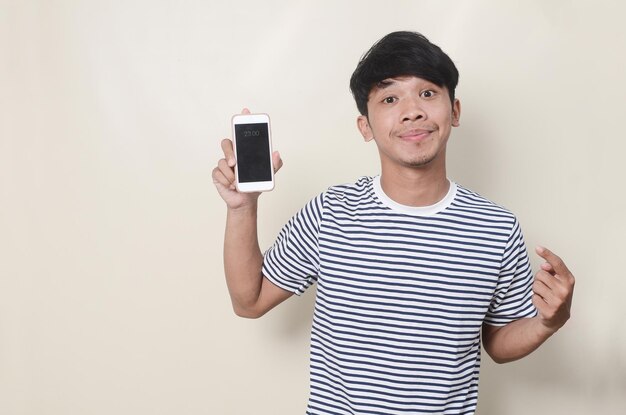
(385,83)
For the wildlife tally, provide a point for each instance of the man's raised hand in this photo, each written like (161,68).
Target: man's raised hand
(554,289)
(224,176)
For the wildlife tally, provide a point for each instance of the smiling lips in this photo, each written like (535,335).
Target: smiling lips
(417,134)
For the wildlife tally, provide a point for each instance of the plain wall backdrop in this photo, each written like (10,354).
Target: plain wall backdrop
(112,294)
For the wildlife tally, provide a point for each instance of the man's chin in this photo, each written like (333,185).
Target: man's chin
(419,162)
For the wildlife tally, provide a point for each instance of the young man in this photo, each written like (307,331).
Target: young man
(410,266)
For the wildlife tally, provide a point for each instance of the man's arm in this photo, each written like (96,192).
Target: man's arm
(251,294)
(553,288)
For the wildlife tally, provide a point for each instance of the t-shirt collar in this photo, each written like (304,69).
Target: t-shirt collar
(414,210)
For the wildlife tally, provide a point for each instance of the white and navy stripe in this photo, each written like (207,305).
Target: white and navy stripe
(402,295)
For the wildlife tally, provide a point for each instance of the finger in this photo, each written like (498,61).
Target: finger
(229,154)
(540,304)
(277,161)
(544,310)
(220,179)
(555,291)
(554,260)
(547,267)
(223,175)
(226,170)
(548,279)
(245,111)
(542,290)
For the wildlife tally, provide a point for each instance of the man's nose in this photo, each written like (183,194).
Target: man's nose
(413,110)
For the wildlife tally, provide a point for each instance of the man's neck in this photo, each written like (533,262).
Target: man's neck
(415,187)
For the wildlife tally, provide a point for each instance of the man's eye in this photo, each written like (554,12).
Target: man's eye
(429,93)
(389,100)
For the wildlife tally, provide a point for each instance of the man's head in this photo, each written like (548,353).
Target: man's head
(402,54)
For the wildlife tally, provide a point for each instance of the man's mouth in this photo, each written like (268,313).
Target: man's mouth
(417,134)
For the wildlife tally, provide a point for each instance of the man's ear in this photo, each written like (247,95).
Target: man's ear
(364,127)
(456,113)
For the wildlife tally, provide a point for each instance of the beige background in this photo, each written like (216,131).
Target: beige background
(112,296)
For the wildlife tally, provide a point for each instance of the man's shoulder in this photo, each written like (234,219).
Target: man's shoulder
(361,187)
(471,201)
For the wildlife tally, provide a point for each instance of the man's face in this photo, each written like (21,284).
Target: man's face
(410,119)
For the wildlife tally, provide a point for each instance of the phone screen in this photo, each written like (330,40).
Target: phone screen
(253,152)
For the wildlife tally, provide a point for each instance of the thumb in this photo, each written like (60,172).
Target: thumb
(277,161)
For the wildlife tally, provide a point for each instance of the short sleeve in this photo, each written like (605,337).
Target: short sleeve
(512,299)
(292,263)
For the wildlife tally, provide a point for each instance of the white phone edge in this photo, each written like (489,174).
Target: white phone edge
(250,187)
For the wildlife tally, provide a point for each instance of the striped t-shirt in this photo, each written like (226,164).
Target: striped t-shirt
(402,293)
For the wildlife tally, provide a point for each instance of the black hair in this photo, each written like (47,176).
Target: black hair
(402,54)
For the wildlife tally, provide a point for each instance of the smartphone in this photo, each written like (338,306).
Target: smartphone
(254,171)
